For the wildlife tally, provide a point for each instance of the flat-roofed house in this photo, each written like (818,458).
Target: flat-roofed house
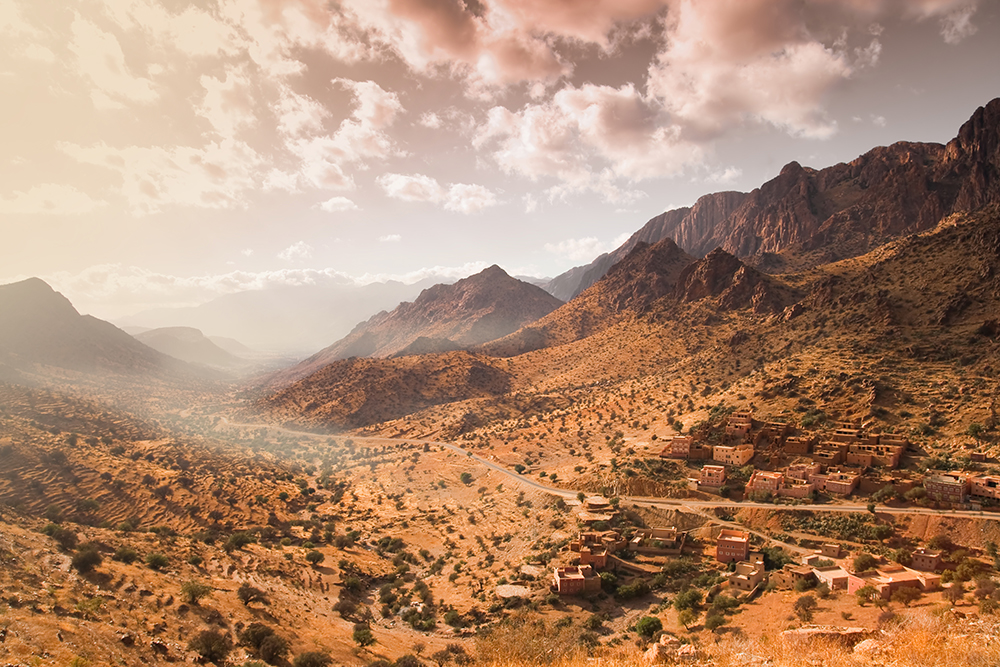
(732,545)
(576,580)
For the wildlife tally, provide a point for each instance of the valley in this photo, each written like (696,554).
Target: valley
(768,412)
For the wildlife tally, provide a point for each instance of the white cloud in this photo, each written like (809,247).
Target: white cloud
(390,238)
(296,252)
(430,119)
(460,197)
(727,175)
(49,199)
(100,58)
(957,25)
(337,205)
(578,250)
(246,252)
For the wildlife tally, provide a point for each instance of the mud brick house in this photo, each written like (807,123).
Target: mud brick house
(926,560)
(775,432)
(684,447)
(747,575)
(658,541)
(850,436)
(834,576)
(765,482)
(947,487)
(576,580)
(791,574)
(713,476)
(830,453)
(839,482)
(737,455)
(799,445)
(867,454)
(891,578)
(732,545)
(986,486)
(803,470)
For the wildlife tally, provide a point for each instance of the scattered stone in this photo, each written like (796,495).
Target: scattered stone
(126,639)
(810,633)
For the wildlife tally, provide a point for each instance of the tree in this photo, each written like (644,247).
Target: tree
(314,557)
(866,593)
(863,562)
(905,596)
(687,599)
(212,645)
(86,559)
(954,593)
(466,478)
(312,659)
(687,617)
(64,537)
(362,635)
(194,591)
(804,607)
(648,626)
(125,554)
(247,594)
(714,621)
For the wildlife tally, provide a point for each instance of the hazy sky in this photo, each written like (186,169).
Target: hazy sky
(158,153)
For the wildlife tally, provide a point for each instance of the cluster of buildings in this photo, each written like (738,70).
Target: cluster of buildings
(832,463)
(597,551)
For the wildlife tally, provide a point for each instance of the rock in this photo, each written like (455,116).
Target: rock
(159,647)
(687,653)
(866,646)
(657,654)
(126,639)
(810,633)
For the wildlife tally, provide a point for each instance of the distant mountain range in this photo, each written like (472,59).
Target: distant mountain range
(470,312)
(191,345)
(289,320)
(805,217)
(40,328)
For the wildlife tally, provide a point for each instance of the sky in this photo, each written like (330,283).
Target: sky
(163,153)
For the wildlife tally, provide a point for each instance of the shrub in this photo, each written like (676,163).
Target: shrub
(64,537)
(648,626)
(714,621)
(239,540)
(804,607)
(863,562)
(194,591)
(687,599)
(314,557)
(157,561)
(126,554)
(212,645)
(247,594)
(86,559)
(312,659)
(362,635)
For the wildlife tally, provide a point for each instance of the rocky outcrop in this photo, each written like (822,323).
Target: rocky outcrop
(734,284)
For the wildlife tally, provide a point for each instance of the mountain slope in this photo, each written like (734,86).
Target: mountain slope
(40,326)
(470,312)
(816,216)
(647,273)
(188,344)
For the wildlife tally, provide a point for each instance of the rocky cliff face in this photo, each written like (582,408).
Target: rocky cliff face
(842,211)
(470,312)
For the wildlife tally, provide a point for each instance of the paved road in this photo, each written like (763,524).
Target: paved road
(696,506)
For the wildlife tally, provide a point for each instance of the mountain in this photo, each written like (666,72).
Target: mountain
(645,274)
(188,344)
(805,217)
(39,326)
(470,312)
(292,320)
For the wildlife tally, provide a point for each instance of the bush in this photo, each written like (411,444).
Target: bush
(687,599)
(804,607)
(314,557)
(863,562)
(64,537)
(273,649)
(648,626)
(212,645)
(362,635)
(126,555)
(312,659)
(157,561)
(714,621)
(247,594)
(86,559)
(194,591)
(239,540)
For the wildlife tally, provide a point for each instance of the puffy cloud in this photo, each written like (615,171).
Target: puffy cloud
(49,199)
(228,104)
(460,197)
(957,24)
(430,120)
(584,249)
(390,238)
(100,58)
(337,205)
(296,252)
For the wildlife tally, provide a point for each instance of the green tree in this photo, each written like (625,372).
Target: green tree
(212,645)
(86,559)
(648,626)
(687,599)
(905,596)
(157,561)
(866,593)
(193,591)
(466,478)
(863,562)
(362,635)
(714,621)
(312,659)
(248,594)
(314,557)
(954,593)
(687,617)
(126,554)
(804,607)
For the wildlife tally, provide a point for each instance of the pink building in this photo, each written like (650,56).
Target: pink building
(732,545)
(765,482)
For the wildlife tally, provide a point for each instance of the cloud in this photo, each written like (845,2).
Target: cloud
(957,25)
(246,252)
(460,197)
(337,205)
(100,58)
(430,119)
(390,238)
(584,249)
(728,175)
(49,199)
(296,252)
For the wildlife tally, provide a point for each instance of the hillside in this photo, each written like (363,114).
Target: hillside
(472,311)
(189,345)
(805,217)
(40,329)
